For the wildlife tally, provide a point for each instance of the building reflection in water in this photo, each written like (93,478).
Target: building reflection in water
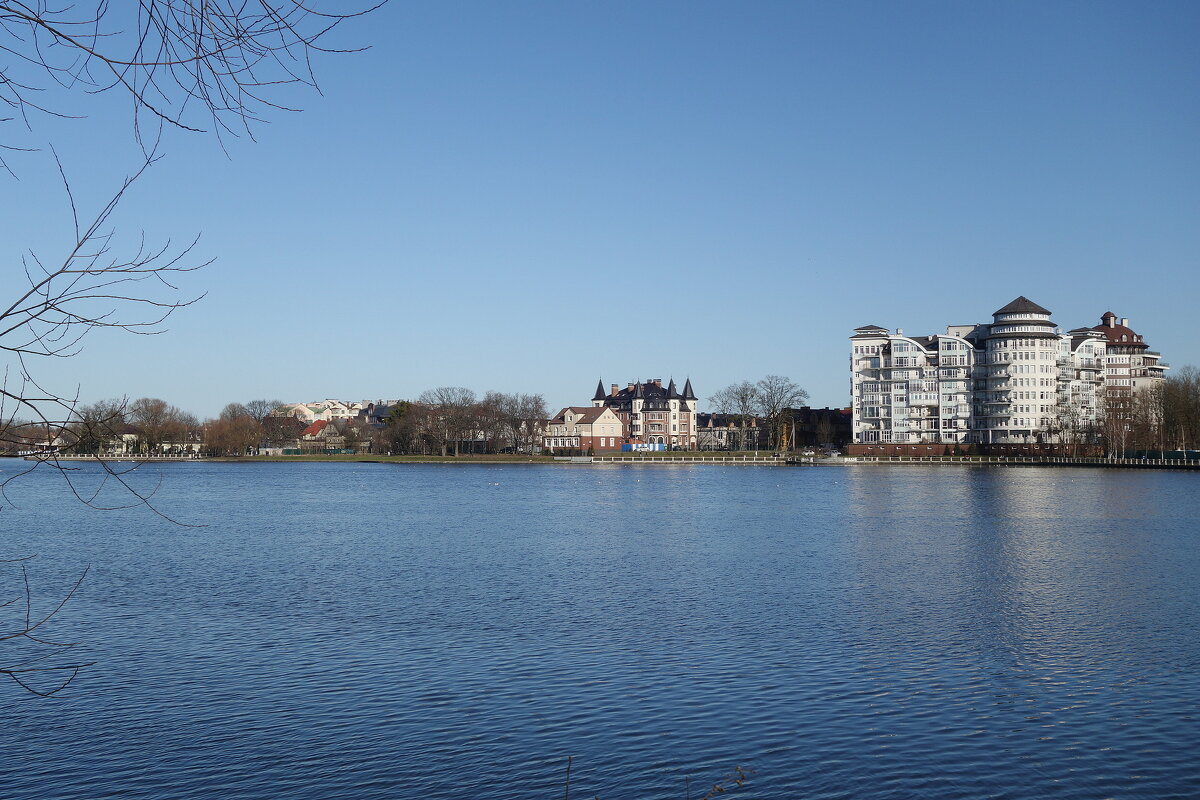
(1009,594)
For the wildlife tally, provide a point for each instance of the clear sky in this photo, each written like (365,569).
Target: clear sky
(528,196)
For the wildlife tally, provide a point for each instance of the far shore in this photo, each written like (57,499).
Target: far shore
(675,458)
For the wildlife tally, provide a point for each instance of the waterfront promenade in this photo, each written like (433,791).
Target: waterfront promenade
(665,459)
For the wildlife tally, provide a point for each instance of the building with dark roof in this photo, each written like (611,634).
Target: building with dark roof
(719,431)
(1131,365)
(652,413)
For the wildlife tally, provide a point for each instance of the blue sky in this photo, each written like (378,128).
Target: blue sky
(527,196)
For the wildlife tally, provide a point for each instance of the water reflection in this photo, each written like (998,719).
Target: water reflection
(445,633)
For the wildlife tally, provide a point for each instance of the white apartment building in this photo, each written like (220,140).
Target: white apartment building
(1018,380)
(911,389)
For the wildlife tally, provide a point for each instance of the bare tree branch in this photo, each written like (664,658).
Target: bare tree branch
(191,64)
(39,666)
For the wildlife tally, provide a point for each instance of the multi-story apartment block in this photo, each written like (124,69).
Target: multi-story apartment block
(1018,380)
(652,414)
(910,390)
(1130,365)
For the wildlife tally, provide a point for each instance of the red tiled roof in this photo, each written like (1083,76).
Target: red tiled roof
(315,428)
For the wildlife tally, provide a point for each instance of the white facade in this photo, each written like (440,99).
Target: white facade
(327,410)
(911,390)
(1018,380)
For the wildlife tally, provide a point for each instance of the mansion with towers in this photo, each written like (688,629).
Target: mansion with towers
(1019,382)
(639,414)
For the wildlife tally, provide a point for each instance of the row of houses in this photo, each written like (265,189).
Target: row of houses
(118,439)
(641,415)
(649,416)
(326,410)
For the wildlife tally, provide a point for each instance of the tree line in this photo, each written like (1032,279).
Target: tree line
(442,421)
(769,400)
(452,420)
(1162,418)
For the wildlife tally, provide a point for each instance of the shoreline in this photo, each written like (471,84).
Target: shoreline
(664,460)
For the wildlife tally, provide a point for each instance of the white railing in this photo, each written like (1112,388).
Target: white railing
(767,459)
(1097,461)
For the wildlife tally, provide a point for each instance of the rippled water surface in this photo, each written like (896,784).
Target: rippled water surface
(414,631)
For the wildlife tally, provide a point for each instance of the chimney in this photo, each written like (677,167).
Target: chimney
(614,390)
(899,331)
(631,386)
(1125,322)
(658,382)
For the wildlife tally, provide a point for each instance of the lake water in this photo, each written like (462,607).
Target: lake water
(424,631)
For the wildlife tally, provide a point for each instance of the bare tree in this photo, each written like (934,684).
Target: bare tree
(489,420)
(156,423)
(451,415)
(85,290)
(526,417)
(823,432)
(776,394)
(95,426)
(1181,409)
(235,432)
(261,409)
(739,401)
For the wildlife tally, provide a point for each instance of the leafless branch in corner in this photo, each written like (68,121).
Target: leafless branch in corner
(42,665)
(87,288)
(193,64)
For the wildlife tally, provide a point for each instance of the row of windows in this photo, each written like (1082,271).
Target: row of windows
(1024,355)
(1013,344)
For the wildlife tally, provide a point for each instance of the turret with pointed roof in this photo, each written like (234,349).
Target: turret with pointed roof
(599,395)
(652,413)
